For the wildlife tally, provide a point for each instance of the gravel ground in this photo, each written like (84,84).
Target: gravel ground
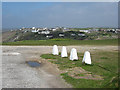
(17,74)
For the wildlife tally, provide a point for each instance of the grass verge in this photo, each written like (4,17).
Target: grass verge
(104,64)
(61,42)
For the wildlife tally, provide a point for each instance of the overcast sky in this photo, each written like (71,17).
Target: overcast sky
(45,14)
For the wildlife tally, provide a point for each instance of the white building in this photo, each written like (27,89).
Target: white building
(34,31)
(81,34)
(44,32)
(54,29)
(85,31)
(61,35)
(45,28)
(49,36)
(33,27)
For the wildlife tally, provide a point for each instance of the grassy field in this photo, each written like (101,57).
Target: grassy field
(104,64)
(61,42)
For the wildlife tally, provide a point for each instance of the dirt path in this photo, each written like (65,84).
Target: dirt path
(17,74)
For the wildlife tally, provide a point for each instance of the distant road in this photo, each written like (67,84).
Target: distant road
(17,74)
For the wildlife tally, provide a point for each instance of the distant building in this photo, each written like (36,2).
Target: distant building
(81,34)
(85,31)
(33,27)
(44,32)
(45,28)
(49,35)
(61,35)
(34,31)
(117,30)
(54,29)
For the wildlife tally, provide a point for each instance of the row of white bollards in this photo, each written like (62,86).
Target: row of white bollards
(73,54)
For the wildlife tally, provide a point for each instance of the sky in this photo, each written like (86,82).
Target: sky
(64,14)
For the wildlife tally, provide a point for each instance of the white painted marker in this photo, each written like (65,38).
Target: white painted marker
(64,52)
(55,50)
(86,58)
(73,54)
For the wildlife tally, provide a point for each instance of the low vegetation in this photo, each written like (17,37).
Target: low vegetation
(73,33)
(8,36)
(60,42)
(103,73)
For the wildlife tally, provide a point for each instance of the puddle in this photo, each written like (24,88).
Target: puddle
(33,63)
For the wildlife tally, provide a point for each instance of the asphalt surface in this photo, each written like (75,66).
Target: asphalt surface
(16,73)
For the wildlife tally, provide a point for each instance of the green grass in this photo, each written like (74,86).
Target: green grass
(61,42)
(81,83)
(104,64)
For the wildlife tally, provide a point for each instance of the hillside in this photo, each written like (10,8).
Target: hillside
(69,34)
(8,36)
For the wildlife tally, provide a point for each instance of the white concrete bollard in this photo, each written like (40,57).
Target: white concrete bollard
(73,54)
(55,50)
(64,52)
(86,58)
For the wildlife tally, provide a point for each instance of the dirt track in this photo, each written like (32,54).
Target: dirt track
(17,74)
